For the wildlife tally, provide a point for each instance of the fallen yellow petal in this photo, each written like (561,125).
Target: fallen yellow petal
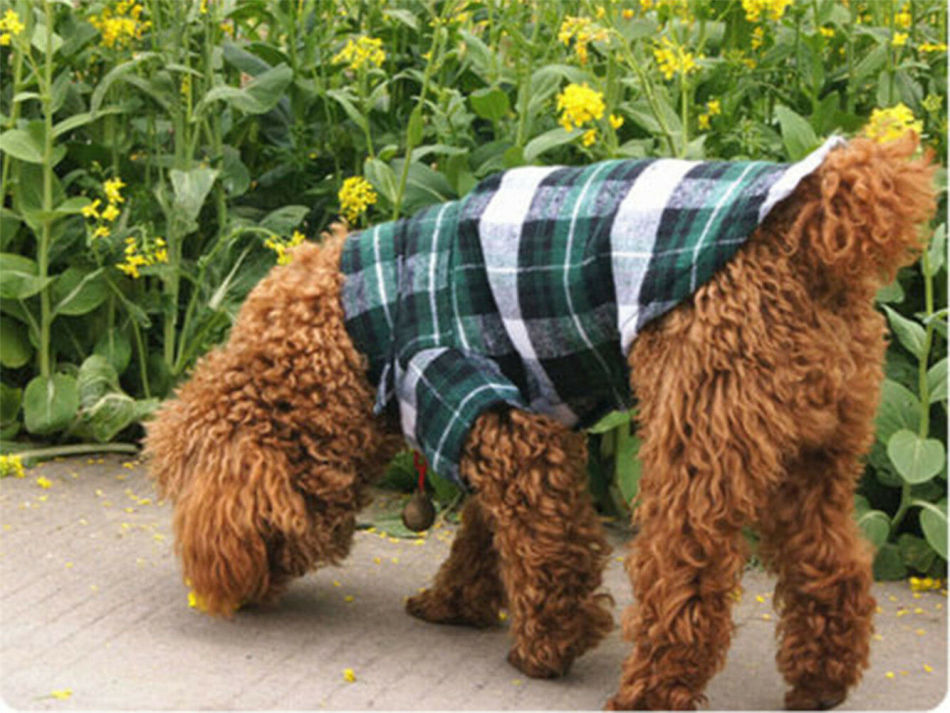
(62,694)
(928,669)
(348,598)
(889,674)
(349,675)
(44,482)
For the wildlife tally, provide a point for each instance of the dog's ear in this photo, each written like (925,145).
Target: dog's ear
(861,214)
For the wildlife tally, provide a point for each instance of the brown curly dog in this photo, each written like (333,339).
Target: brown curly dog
(756,404)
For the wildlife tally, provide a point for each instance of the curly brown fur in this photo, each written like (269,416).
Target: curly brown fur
(267,450)
(756,405)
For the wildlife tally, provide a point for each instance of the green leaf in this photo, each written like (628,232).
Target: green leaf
(547,141)
(114,345)
(77,292)
(404,16)
(260,95)
(797,135)
(10,400)
(490,103)
(893,292)
(191,188)
(612,420)
(910,334)
(77,120)
(38,40)
(937,381)
(96,378)
(15,347)
(916,552)
(627,466)
(343,98)
(936,252)
(23,144)
(382,178)
(916,459)
(900,408)
(19,277)
(235,176)
(933,522)
(50,403)
(888,564)
(415,127)
(876,527)
(283,220)
(115,74)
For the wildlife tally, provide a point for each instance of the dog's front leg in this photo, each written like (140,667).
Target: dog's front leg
(529,474)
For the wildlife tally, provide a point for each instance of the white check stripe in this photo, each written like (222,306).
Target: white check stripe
(379,278)
(633,235)
(433,261)
(783,187)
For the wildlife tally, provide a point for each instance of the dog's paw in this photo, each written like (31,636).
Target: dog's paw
(808,699)
(438,608)
(535,668)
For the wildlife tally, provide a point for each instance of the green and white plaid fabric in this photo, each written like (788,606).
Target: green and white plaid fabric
(530,290)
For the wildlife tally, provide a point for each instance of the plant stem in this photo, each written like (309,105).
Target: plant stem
(45,236)
(79,449)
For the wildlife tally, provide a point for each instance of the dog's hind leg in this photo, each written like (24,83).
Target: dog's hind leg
(531,481)
(824,587)
(467,589)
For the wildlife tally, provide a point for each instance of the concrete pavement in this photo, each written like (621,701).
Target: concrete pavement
(95,616)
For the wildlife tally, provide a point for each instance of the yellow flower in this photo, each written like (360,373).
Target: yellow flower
(11,465)
(101,232)
(282,246)
(91,210)
(758,37)
(110,213)
(890,124)
(10,24)
(899,39)
(627,14)
(150,252)
(356,196)
(363,50)
(349,675)
(112,188)
(583,31)
(589,137)
(933,47)
(44,482)
(120,25)
(672,58)
(62,694)
(703,121)
(902,19)
(714,107)
(755,9)
(4,39)
(578,104)
(615,120)
(826,31)
(196,601)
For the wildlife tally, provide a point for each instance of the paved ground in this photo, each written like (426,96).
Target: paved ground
(94,616)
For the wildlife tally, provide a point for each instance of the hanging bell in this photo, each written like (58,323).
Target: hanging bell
(419,513)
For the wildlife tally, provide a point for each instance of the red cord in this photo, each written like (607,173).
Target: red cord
(421,468)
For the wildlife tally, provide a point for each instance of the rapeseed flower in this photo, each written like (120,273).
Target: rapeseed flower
(91,210)
(583,31)
(120,25)
(589,137)
(902,19)
(671,59)
(899,39)
(361,51)
(933,47)
(892,123)
(579,104)
(282,246)
(11,465)
(616,121)
(755,9)
(112,187)
(356,196)
(148,253)
(11,27)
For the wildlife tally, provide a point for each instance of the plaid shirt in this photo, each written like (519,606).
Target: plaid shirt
(530,290)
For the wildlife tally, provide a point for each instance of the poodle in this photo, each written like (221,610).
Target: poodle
(756,402)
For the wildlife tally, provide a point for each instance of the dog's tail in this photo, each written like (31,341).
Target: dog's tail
(859,217)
